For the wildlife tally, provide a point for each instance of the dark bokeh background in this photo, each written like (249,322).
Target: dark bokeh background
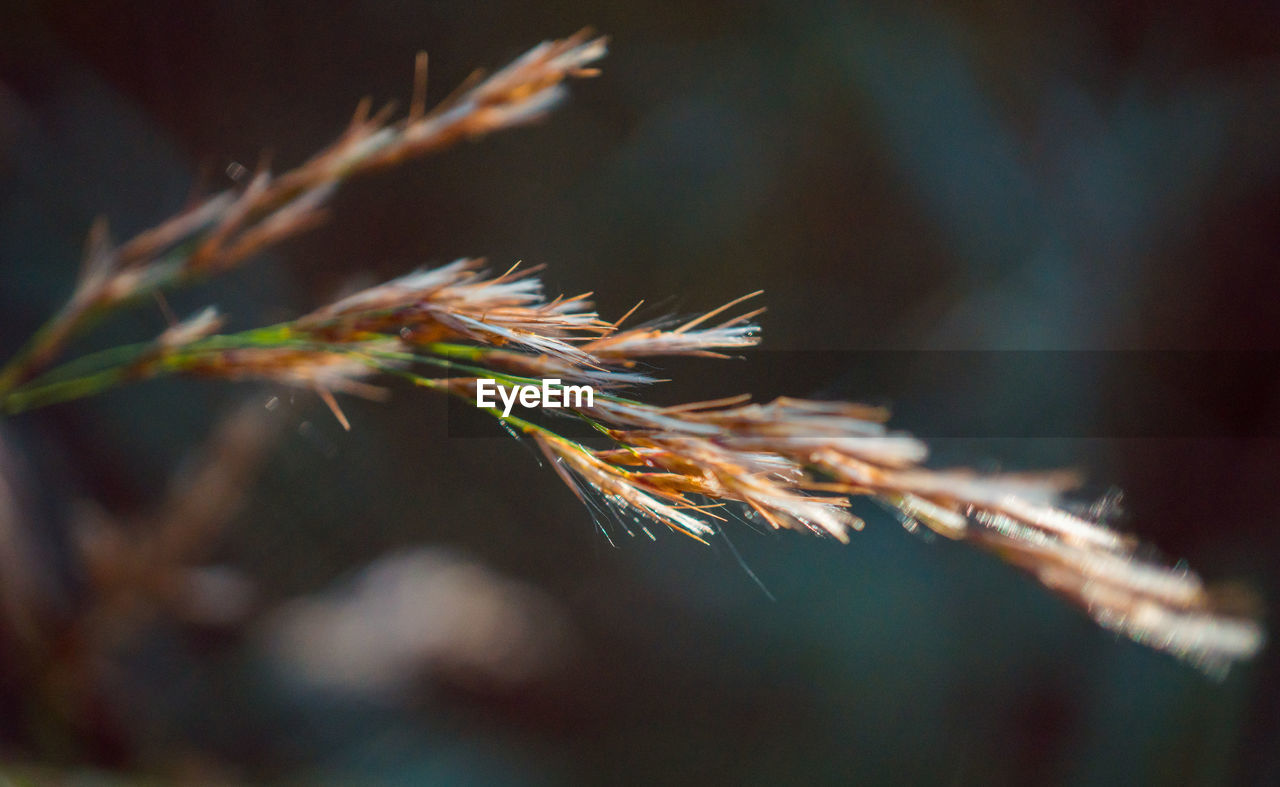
(975,175)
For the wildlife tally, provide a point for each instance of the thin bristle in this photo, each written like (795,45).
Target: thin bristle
(698,321)
(418,104)
(630,312)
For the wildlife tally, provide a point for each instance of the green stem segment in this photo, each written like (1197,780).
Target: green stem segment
(43,347)
(98,372)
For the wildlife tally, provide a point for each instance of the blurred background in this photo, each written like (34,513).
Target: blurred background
(404,605)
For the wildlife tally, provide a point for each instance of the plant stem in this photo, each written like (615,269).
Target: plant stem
(31,398)
(44,346)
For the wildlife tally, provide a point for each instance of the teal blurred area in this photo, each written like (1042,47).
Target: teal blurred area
(895,176)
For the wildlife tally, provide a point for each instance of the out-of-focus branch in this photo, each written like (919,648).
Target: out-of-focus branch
(153,562)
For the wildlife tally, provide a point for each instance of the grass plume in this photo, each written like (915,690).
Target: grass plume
(794,464)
